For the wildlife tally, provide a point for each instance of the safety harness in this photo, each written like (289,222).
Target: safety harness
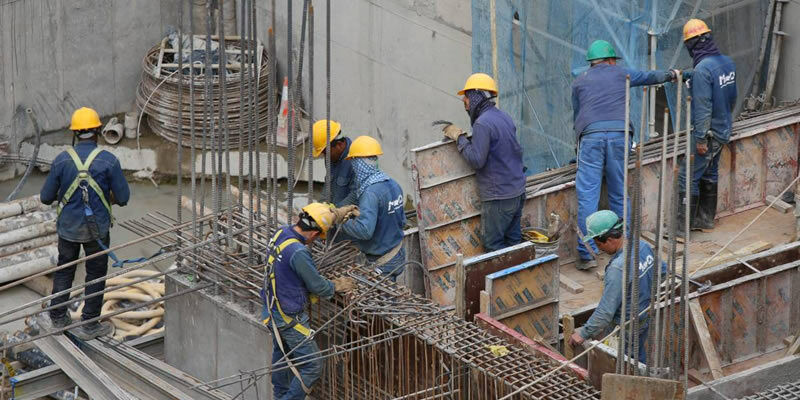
(274,252)
(84,181)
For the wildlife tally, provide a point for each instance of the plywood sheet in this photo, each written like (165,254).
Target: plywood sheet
(781,145)
(437,163)
(540,322)
(440,245)
(750,175)
(450,201)
(744,319)
(726,182)
(477,268)
(778,309)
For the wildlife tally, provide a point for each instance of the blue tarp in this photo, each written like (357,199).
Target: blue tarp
(541,48)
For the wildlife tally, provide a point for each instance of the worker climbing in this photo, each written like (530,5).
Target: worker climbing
(712,85)
(341,173)
(598,106)
(605,228)
(496,155)
(290,279)
(378,229)
(85,181)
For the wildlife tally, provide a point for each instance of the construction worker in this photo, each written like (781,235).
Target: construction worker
(341,173)
(598,105)
(605,228)
(290,280)
(712,85)
(496,155)
(378,229)
(85,181)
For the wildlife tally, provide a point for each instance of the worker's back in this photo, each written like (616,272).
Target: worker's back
(105,170)
(713,89)
(647,275)
(502,176)
(291,289)
(600,96)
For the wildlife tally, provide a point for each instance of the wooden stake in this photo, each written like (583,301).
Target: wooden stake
(569,327)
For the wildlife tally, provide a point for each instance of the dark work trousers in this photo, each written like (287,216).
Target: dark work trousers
(95,268)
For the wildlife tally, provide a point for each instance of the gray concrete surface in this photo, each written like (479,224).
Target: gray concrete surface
(786,88)
(211,339)
(751,381)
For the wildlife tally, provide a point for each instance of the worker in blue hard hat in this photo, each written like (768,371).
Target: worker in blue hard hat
(598,105)
(712,85)
(85,181)
(495,154)
(605,228)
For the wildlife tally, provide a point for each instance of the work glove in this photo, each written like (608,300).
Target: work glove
(343,284)
(673,74)
(452,131)
(344,213)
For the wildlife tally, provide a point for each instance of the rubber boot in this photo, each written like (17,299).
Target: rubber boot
(693,205)
(707,207)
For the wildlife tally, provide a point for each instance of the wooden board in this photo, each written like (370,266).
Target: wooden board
(704,338)
(616,387)
(525,297)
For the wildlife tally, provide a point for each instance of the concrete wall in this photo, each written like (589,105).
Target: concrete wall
(395,67)
(786,87)
(57,55)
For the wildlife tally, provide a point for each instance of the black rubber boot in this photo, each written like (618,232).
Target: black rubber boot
(693,205)
(707,207)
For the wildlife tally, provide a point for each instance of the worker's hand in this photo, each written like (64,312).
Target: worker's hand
(576,339)
(674,74)
(452,131)
(344,213)
(343,284)
(702,148)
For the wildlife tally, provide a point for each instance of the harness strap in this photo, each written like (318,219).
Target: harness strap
(83,175)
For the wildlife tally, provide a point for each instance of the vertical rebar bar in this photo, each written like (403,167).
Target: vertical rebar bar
(328,189)
(310,153)
(637,224)
(179,189)
(244,81)
(193,137)
(626,242)
(255,83)
(673,230)
(290,132)
(274,139)
(223,83)
(209,106)
(685,275)
(243,134)
(654,336)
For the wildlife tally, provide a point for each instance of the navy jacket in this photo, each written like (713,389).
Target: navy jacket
(342,184)
(608,311)
(379,228)
(598,94)
(296,275)
(495,154)
(106,171)
(713,89)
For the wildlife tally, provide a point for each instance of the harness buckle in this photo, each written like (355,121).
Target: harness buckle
(85,194)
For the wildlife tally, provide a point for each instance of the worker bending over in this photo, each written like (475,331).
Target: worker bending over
(496,155)
(712,85)
(378,228)
(341,173)
(85,181)
(605,227)
(598,105)
(290,279)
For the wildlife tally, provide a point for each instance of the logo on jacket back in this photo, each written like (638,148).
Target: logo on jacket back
(727,79)
(395,204)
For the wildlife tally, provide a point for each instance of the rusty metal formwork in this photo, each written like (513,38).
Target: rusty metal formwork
(761,159)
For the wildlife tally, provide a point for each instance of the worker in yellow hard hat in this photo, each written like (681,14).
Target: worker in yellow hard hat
(496,155)
(85,181)
(341,173)
(291,278)
(378,230)
(712,85)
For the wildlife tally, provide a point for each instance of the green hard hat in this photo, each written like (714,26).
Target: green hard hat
(599,50)
(600,222)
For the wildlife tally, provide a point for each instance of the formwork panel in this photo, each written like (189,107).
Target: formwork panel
(744,321)
(781,145)
(750,175)
(726,183)
(450,201)
(778,309)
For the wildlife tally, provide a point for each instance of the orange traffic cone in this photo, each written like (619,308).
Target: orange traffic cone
(283,114)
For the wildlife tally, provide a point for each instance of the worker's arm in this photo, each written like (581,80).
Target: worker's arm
(49,192)
(611,301)
(475,151)
(701,105)
(362,227)
(643,78)
(119,186)
(350,199)
(304,267)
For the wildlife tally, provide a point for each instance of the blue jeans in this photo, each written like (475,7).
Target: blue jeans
(705,167)
(600,155)
(500,221)
(391,265)
(285,385)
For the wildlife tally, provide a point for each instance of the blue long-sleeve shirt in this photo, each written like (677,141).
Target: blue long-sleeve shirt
(106,171)
(495,154)
(379,228)
(713,89)
(598,96)
(608,311)
(343,179)
(304,267)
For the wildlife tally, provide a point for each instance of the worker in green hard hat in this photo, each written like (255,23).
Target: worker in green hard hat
(598,105)
(605,228)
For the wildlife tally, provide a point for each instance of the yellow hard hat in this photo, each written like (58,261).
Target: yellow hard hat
(322,215)
(320,134)
(85,118)
(479,81)
(693,28)
(364,146)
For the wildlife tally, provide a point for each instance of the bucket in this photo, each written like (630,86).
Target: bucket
(542,249)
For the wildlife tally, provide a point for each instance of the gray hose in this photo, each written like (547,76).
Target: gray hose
(34,157)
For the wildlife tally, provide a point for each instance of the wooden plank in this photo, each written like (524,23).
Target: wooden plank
(460,283)
(794,348)
(476,269)
(782,150)
(704,339)
(750,174)
(570,285)
(741,252)
(449,201)
(617,387)
(484,302)
(779,204)
(568,324)
(523,285)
